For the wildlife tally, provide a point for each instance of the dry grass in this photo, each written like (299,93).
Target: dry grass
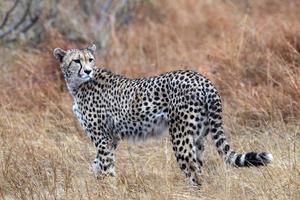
(251,51)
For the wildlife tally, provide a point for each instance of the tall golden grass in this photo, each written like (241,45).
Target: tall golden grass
(250,49)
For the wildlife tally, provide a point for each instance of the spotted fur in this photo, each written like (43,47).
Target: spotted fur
(111,108)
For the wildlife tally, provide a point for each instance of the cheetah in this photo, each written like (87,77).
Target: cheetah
(111,108)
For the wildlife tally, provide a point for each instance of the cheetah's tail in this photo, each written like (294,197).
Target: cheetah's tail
(224,149)
(236,159)
(252,159)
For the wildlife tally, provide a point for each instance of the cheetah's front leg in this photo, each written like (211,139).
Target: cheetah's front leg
(104,163)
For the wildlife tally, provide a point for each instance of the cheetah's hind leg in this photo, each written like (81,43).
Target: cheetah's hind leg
(186,152)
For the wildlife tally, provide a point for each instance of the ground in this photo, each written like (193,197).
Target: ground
(252,55)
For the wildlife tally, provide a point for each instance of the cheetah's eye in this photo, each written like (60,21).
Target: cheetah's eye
(91,59)
(77,61)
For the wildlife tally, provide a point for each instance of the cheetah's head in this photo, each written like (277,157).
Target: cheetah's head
(77,65)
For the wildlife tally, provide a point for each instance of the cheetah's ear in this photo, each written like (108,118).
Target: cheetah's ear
(92,48)
(59,54)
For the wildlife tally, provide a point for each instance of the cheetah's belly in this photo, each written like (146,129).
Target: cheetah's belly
(143,130)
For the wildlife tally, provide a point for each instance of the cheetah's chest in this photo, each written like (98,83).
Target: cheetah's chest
(78,114)
(81,118)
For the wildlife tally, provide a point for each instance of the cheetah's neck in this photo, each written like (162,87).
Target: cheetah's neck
(73,86)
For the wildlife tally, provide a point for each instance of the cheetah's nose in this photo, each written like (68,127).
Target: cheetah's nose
(87,71)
